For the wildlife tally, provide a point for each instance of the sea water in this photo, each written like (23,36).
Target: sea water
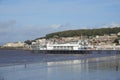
(95,68)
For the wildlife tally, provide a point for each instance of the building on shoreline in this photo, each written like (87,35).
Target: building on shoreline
(14,45)
(105,42)
(73,45)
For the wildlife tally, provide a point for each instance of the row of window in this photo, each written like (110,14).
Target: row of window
(63,47)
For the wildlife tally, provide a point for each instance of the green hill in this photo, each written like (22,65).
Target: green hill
(86,32)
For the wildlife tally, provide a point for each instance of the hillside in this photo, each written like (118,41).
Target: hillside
(86,32)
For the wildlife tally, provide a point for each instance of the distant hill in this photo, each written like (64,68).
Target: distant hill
(86,32)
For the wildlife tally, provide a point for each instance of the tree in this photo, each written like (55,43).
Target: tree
(87,32)
(29,42)
(117,40)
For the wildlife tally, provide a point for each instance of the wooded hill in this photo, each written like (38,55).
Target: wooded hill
(85,32)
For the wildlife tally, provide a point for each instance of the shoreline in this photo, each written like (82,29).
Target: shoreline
(10,48)
(21,48)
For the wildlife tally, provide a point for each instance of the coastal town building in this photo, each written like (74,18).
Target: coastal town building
(71,43)
(27,47)
(105,42)
(39,44)
(118,34)
(14,44)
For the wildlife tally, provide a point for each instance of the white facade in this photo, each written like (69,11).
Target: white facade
(41,41)
(79,45)
(74,45)
(118,34)
(108,47)
(62,46)
(15,44)
(39,44)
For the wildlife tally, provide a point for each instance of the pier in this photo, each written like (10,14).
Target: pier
(77,51)
(68,51)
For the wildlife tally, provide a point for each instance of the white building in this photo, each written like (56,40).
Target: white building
(41,41)
(39,44)
(118,34)
(14,44)
(75,45)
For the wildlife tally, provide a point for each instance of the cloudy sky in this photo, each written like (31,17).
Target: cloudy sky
(29,19)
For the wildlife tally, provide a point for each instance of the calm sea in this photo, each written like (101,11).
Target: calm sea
(26,65)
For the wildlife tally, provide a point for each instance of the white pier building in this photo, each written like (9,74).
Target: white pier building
(74,45)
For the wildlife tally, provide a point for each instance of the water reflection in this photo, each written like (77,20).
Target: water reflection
(103,68)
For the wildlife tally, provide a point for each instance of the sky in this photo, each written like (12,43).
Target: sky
(22,20)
